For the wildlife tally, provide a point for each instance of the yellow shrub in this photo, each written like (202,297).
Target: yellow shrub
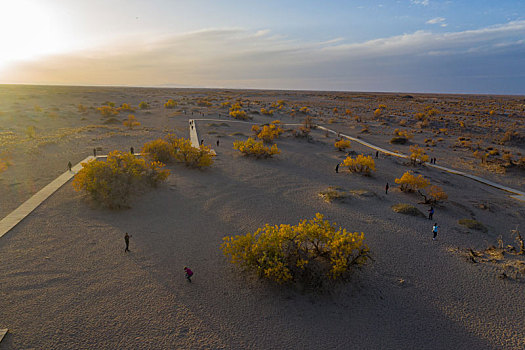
(192,156)
(170,104)
(126,107)
(266,112)
(437,194)
(172,149)
(311,252)
(4,163)
(270,132)
(417,154)
(113,182)
(108,111)
(254,148)
(304,110)
(410,183)
(342,144)
(143,105)
(131,121)
(237,113)
(361,164)
(159,150)
(377,112)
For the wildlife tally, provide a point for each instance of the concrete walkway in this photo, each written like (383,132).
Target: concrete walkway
(3,332)
(32,203)
(519,195)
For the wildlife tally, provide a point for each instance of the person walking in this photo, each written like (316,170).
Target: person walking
(435,231)
(94,152)
(132,150)
(386,188)
(217,142)
(189,273)
(337,168)
(126,239)
(377,154)
(430,213)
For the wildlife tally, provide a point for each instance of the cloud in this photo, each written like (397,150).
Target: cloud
(235,57)
(420,2)
(436,20)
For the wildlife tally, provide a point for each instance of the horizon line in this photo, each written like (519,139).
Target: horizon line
(189,87)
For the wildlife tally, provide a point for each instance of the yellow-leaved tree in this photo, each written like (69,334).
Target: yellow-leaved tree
(256,149)
(131,121)
(360,164)
(172,149)
(170,104)
(342,144)
(237,113)
(312,252)
(410,183)
(417,154)
(269,132)
(113,182)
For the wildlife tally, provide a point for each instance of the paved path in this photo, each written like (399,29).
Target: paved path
(3,332)
(32,203)
(519,195)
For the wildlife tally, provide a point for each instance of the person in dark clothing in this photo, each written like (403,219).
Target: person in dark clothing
(132,150)
(69,165)
(337,168)
(217,142)
(202,141)
(386,188)
(430,213)
(94,152)
(126,239)
(189,273)
(377,154)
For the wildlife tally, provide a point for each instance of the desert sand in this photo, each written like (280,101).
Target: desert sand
(66,282)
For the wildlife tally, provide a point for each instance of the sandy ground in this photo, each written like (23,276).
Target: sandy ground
(66,282)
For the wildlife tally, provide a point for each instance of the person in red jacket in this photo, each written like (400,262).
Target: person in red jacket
(189,273)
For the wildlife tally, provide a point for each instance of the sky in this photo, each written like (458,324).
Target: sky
(362,45)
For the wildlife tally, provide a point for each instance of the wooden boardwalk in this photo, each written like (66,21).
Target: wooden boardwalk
(516,194)
(32,203)
(3,332)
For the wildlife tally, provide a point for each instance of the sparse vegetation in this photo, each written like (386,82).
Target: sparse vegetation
(360,164)
(131,122)
(172,149)
(312,252)
(170,104)
(332,193)
(407,209)
(410,183)
(113,182)
(342,144)
(473,224)
(256,149)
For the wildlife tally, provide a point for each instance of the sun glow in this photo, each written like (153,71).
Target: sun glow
(28,30)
